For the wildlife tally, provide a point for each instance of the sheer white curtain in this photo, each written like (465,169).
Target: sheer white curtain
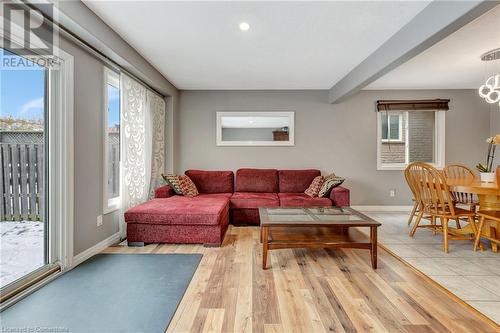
(143,142)
(156,111)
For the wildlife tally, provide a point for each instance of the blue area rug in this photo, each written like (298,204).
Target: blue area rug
(107,293)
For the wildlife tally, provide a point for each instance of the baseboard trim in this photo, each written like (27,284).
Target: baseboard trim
(82,256)
(405,209)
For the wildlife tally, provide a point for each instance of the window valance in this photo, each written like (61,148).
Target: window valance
(413,105)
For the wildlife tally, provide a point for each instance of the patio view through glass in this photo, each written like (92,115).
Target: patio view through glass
(23,185)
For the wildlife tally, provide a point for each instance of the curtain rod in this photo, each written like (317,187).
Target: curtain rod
(92,50)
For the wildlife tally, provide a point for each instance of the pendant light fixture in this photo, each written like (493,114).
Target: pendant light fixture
(490,91)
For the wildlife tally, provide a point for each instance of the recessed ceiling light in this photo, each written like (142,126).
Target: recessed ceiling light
(244,26)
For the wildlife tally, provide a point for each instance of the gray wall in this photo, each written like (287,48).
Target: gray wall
(495,120)
(495,128)
(331,137)
(89,167)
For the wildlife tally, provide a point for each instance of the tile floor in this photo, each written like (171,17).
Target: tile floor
(472,276)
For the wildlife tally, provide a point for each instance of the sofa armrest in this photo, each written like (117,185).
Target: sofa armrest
(340,197)
(164,191)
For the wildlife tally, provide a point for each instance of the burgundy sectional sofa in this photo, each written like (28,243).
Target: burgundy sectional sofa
(171,218)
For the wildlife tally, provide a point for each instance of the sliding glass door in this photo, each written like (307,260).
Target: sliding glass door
(24,179)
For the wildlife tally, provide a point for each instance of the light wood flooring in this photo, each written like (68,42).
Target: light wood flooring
(308,291)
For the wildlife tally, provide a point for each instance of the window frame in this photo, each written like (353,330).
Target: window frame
(60,162)
(439,142)
(400,128)
(110,204)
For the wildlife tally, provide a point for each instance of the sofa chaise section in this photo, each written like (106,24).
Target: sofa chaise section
(178,219)
(171,218)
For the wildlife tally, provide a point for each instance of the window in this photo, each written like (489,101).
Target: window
(392,127)
(36,107)
(111,141)
(409,136)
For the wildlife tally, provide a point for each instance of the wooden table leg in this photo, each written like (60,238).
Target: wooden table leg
(478,235)
(493,234)
(490,202)
(265,240)
(373,249)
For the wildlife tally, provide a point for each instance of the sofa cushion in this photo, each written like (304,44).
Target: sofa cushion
(180,210)
(331,181)
(296,181)
(302,200)
(257,180)
(187,186)
(315,186)
(173,181)
(254,200)
(212,181)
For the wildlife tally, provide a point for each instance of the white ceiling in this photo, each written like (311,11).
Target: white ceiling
(453,63)
(290,45)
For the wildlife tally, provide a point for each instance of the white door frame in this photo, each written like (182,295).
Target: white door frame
(61,156)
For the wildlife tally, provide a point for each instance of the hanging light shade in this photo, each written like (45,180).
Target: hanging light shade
(490,90)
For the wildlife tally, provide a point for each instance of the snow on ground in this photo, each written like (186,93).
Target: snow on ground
(21,249)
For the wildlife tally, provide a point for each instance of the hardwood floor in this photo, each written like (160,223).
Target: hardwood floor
(308,291)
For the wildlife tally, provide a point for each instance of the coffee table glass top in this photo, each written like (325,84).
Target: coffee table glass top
(326,215)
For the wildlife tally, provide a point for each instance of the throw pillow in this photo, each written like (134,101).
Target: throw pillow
(330,182)
(315,187)
(173,181)
(187,186)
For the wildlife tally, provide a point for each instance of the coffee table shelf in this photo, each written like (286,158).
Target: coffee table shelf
(327,227)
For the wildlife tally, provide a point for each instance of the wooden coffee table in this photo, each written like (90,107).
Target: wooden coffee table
(328,227)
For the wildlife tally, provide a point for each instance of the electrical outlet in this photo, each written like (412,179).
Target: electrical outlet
(99,220)
(392,193)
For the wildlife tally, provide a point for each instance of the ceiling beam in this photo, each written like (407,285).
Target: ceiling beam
(434,23)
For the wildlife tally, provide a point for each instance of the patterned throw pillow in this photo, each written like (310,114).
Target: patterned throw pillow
(330,182)
(173,181)
(315,186)
(187,186)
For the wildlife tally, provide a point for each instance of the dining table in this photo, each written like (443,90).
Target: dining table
(489,199)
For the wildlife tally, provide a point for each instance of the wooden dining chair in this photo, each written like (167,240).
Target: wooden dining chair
(461,173)
(413,176)
(415,210)
(437,201)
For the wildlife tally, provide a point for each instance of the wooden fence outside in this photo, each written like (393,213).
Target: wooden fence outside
(22,182)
